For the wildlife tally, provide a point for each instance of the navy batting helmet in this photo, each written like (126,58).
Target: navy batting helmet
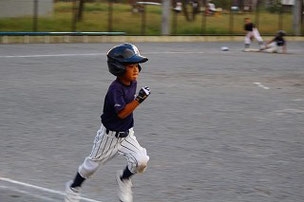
(281,33)
(121,55)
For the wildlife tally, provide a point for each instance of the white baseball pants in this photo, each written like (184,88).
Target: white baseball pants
(272,48)
(255,33)
(107,146)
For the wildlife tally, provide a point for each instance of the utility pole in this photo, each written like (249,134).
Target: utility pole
(297,16)
(166,17)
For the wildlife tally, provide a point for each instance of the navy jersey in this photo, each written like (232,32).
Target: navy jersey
(279,40)
(249,27)
(117,97)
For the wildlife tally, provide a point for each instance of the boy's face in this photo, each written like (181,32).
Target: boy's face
(247,20)
(132,72)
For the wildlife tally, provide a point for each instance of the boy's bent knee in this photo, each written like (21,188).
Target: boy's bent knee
(142,163)
(141,168)
(88,168)
(137,163)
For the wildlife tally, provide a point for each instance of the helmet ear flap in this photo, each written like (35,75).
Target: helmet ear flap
(116,68)
(139,67)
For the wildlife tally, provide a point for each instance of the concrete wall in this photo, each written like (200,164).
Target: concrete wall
(18,8)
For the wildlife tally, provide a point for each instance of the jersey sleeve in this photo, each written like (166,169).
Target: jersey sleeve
(117,99)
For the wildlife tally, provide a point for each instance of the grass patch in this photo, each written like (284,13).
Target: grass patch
(95,18)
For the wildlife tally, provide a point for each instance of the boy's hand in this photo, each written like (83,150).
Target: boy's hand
(143,93)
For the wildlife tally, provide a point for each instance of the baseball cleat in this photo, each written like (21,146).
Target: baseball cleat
(71,194)
(124,190)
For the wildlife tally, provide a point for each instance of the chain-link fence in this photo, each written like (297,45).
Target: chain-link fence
(188,17)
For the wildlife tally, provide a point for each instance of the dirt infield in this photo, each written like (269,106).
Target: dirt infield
(218,126)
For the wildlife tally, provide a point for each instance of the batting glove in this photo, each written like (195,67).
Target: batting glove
(143,93)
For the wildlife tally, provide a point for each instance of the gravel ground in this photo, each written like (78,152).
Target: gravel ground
(218,126)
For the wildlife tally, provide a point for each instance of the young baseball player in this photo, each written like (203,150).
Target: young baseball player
(278,41)
(116,134)
(252,32)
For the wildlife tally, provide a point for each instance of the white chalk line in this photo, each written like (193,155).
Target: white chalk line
(88,54)
(27,193)
(41,188)
(50,55)
(261,85)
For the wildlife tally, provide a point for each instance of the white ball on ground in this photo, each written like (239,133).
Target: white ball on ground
(224,48)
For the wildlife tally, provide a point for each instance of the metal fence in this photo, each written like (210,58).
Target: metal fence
(188,17)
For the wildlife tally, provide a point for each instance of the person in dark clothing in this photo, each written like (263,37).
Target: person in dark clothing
(277,42)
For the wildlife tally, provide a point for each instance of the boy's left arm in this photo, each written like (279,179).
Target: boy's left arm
(143,93)
(129,108)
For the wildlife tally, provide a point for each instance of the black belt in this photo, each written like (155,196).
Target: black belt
(119,134)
